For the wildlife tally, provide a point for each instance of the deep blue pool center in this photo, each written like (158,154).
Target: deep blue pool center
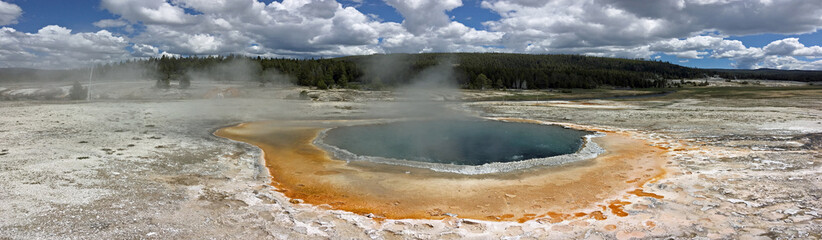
(460,142)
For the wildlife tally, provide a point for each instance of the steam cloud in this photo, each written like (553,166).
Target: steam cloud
(425,95)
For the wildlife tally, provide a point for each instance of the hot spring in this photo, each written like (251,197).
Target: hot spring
(427,169)
(460,146)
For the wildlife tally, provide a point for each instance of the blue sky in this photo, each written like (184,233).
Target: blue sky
(78,15)
(136,29)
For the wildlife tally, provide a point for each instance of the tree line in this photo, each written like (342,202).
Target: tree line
(768,74)
(469,70)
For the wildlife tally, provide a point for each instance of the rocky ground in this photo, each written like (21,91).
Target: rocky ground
(740,168)
(140,163)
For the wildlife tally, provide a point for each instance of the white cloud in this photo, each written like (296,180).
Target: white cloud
(780,54)
(349,27)
(110,23)
(424,15)
(732,17)
(787,63)
(675,27)
(696,47)
(427,28)
(688,29)
(57,47)
(9,13)
(287,28)
(573,25)
(792,47)
(148,11)
(145,51)
(570,24)
(299,28)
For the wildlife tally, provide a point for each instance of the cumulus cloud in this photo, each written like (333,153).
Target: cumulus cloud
(109,23)
(787,63)
(57,47)
(9,13)
(424,15)
(687,29)
(298,28)
(148,11)
(674,27)
(558,25)
(562,25)
(287,28)
(696,47)
(780,54)
(791,47)
(733,17)
(428,28)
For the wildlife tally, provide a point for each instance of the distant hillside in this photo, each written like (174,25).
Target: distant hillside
(534,71)
(769,74)
(466,70)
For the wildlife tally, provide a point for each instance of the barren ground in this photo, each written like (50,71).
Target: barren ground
(137,163)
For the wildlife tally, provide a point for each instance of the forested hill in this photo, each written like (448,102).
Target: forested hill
(769,74)
(467,70)
(503,70)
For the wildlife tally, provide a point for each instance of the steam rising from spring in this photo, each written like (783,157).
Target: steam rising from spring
(435,83)
(426,93)
(240,70)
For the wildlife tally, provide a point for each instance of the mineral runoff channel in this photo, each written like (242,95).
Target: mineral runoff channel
(594,188)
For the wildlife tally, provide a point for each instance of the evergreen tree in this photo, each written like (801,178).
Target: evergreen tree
(78,92)
(482,82)
(185,82)
(321,85)
(162,84)
(343,81)
(470,70)
(498,84)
